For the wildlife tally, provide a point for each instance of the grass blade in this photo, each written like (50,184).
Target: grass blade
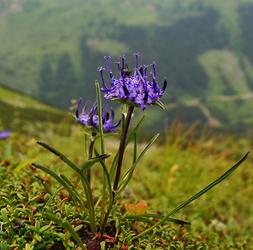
(44,184)
(146,217)
(101,136)
(99,103)
(67,226)
(88,164)
(81,173)
(107,175)
(197,195)
(135,149)
(67,181)
(115,159)
(126,178)
(61,156)
(134,130)
(61,181)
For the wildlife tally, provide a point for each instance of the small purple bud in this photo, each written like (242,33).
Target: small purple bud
(140,76)
(137,60)
(108,66)
(145,72)
(145,97)
(164,85)
(118,65)
(101,70)
(78,107)
(154,69)
(141,71)
(4,134)
(155,86)
(122,62)
(125,90)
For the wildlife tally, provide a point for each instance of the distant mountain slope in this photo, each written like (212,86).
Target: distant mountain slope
(51,49)
(17,110)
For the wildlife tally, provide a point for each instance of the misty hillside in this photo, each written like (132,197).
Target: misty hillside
(52,49)
(19,111)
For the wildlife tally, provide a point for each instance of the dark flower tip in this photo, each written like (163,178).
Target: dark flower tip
(89,117)
(138,89)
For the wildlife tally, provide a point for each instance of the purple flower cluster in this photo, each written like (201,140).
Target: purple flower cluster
(137,89)
(4,134)
(90,118)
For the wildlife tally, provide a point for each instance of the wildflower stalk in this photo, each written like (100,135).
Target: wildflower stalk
(101,134)
(122,149)
(119,165)
(91,148)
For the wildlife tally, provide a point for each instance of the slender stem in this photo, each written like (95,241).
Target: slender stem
(91,148)
(122,147)
(87,190)
(101,134)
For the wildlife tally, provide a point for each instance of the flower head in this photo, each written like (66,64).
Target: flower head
(140,88)
(4,134)
(90,117)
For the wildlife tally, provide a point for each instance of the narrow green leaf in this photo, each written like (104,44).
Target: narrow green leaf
(99,103)
(89,163)
(59,180)
(135,149)
(101,136)
(88,193)
(67,226)
(127,177)
(107,175)
(51,199)
(44,228)
(134,130)
(67,181)
(42,181)
(197,195)
(146,218)
(61,156)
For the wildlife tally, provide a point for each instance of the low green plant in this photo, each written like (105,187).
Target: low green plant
(134,91)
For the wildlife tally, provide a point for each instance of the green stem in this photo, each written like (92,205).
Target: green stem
(122,148)
(86,186)
(91,148)
(119,165)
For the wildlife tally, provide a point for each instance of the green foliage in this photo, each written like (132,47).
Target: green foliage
(164,178)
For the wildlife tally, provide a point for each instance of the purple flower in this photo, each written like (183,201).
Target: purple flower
(90,117)
(4,134)
(140,88)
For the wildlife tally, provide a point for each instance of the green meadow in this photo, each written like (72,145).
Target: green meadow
(181,163)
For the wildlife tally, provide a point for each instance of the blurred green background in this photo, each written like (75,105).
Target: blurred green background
(52,49)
